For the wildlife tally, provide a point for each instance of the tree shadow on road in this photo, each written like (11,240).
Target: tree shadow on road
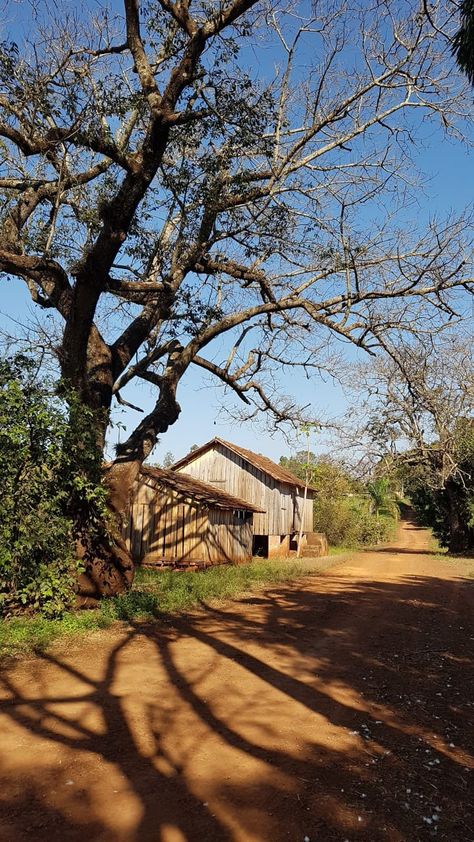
(335,712)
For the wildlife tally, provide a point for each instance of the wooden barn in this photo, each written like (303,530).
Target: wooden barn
(178,521)
(278,494)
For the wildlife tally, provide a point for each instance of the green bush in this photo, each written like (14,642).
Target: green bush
(374,530)
(346,522)
(335,518)
(349,512)
(46,489)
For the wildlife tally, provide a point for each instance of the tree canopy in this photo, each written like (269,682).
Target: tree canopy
(161,190)
(419,425)
(225,186)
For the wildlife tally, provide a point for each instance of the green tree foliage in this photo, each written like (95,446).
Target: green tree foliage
(463,43)
(47,478)
(341,505)
(381,495)
(421,429)
(447,508)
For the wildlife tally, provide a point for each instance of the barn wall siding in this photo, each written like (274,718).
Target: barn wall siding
(283,503)
(164,526)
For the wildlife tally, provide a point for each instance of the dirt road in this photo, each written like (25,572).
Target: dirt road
(340,707)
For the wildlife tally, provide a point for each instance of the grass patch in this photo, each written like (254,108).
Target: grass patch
(153,594)
(340,550)
(168,592)
(465,565)
(28,634)
(443,554)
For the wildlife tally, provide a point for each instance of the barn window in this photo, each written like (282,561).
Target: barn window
(242,514)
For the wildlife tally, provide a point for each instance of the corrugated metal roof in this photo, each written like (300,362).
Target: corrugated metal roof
(194,488)
(256,459)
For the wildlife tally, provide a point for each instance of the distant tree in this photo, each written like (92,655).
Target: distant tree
(326,475)
(421,426)
(168,459)
(381,495)
(297,464)
(448,509)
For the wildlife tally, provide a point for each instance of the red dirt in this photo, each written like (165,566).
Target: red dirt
(339,708)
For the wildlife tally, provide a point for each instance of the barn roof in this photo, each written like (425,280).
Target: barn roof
(195,489)
(256,459)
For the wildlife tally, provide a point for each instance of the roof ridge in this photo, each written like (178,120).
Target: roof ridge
(258,460)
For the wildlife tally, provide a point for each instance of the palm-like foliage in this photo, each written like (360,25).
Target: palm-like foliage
(463,44)
(381,496)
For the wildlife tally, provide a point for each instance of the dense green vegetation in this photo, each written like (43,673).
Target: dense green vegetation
(50,471)
(153,594)
(463,42)
(421,426)
(351,513)
(444,504)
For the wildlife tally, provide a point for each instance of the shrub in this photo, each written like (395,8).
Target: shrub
(335,517)
(347,522)
(374,530)
(42,487)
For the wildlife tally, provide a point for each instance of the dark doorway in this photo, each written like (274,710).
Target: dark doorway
(260,546)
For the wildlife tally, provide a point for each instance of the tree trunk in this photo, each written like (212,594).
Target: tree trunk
(459,538)
(109,567)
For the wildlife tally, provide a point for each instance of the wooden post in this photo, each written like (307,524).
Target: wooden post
(305,495)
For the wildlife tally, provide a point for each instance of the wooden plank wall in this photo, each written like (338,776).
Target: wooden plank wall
(165,525)
(305,507)
(282,503)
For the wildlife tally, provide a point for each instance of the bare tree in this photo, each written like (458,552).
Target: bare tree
(419,423)
(223,185)
(416,398)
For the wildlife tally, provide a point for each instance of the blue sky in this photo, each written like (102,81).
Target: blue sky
(448,165)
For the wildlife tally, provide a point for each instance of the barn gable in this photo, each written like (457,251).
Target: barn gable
(257,460)
(254,478)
